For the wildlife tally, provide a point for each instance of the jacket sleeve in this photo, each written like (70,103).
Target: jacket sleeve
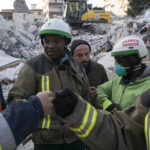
(104,90)
(3,103)
(19,120)
(102,130)
(20,89)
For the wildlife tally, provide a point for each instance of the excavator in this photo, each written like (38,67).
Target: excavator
(77,12)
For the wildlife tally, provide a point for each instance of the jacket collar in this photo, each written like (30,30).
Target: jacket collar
(64,59)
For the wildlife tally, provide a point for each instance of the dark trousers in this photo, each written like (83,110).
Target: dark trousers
(77,145)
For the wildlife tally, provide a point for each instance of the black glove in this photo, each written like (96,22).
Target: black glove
(65,102)
(113,107)
(107,104)
(145,97)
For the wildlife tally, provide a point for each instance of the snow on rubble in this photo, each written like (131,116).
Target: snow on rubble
(19,42)
(5,62)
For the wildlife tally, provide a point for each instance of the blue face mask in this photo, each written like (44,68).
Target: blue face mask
(120,71)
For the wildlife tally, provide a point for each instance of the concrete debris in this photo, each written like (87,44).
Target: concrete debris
(147,16)
(17,38)
(9,67)
(22,41)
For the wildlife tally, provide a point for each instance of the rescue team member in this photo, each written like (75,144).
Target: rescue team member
(54,70)
(21,118)
(95,72)
(133,76)
(100,129)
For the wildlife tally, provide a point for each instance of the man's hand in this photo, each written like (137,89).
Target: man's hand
(93,92)
(46,99)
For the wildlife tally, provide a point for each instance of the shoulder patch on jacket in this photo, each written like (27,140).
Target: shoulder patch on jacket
(40,64)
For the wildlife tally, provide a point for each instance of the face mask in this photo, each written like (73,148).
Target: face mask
(120,71)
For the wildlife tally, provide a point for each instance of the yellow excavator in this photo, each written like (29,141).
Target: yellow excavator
(77,12)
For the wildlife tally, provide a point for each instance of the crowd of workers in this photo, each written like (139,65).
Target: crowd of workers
(66,101)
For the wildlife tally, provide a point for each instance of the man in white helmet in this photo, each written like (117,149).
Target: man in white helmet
(53,70)
(133,77)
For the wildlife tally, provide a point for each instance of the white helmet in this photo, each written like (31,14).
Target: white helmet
(128,45)
(58,27)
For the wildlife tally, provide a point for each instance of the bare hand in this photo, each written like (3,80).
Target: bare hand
(46,99)
(93,92)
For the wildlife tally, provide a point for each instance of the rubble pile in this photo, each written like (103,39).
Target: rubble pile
(19,40)
(117,7)
(119,27)
(22,41)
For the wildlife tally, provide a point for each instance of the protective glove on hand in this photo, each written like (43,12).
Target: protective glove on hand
(65,102)
(108,105)
(113,107)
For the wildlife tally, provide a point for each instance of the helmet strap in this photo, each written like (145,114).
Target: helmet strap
(133,68)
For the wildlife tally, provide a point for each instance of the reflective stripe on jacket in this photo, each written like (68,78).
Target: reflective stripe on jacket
(45,87)
(88,122)
(32,78)
(100,130)
(124,95)
(147,130)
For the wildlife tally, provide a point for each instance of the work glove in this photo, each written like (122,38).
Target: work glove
(108,105)
(145,97)
(65,102)
(113,107)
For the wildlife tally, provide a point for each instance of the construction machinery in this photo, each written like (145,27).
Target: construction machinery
(77,12)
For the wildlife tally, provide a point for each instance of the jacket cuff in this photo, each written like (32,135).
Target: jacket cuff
(76,117)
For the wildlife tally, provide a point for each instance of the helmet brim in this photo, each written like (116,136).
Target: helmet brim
(125,53)
(57,32)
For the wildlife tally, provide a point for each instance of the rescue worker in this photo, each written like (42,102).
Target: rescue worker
(100,129)
(133,76)
(21,118)
(54,70)
(95,72)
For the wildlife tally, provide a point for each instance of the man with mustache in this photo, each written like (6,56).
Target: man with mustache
(53,70)
(96,73)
